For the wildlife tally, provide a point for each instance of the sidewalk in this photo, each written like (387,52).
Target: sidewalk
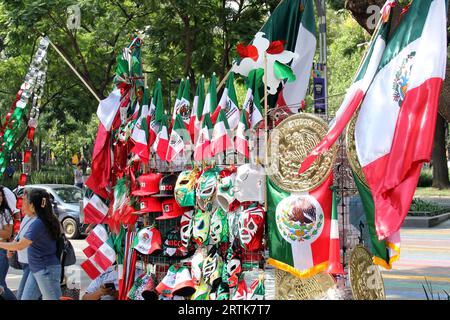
(425,252)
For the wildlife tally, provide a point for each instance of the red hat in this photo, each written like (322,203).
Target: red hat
(171,209)
(148,184)
(149,204)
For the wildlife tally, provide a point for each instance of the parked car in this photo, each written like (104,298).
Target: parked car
(66,205)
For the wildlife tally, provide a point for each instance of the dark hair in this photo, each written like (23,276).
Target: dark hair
(4,205)
(45,213)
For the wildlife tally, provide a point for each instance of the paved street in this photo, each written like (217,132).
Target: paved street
(424,253)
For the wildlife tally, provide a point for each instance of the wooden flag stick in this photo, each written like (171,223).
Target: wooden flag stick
(75,71)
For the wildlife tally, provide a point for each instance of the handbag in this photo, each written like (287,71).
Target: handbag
(65,252)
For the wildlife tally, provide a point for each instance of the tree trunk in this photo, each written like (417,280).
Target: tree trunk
(440,168)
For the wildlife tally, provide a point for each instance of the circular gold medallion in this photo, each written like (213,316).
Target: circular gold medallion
(365,277)
(290,142)
(350,147)
(289,287)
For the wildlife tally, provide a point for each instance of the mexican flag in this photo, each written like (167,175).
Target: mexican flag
(299,228)
(107,112)
(252,102)
(395,130)
(184,109)
(97,237)
(162,139)
(221,137)
(385,253)
(156,112)
(182,104)
(105,255)
(92,269)
(203,149)
(179,138)
(241,139)
(140,135)
(197,110)
(228,102)
(95,210)
(395,126)
(211,98)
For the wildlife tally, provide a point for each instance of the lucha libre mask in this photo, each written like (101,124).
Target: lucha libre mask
(206,189)
(250,183)
(185,188)
(233,269)
(251,227)
(218,231)
(212,268)
(197,262)
(225,189)
(200,228)
(186,229)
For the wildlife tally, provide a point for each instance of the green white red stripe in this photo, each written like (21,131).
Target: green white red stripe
(395,128)
(140,135)
(179,138)
(241,138)
(203,149)
(197,110)
(211,98)
(221,137)
(228,102)
(300,37)
(293,247)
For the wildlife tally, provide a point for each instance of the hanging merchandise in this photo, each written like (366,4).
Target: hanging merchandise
(186,230)
(184,285)
(206,189)
(226,189)
(212,268)
(251,227)
(173,244)
(185,187)
(165,287)
(218,231)
(148,205)
(250,183)
(200,227)
(147,240)
(167,186)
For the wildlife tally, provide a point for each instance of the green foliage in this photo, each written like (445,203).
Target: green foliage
(345,52)
(425,208)
(430,293)
(56,175)
(426,178)
(181,37)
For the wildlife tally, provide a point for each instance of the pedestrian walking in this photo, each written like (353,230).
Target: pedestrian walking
(6,231)
(41,241)
(79,176)
(22,257)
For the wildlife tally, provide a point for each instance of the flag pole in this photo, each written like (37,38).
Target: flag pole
(74,70)
(266,132)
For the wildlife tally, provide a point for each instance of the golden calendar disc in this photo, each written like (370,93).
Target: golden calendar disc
(290,142)
(289,287)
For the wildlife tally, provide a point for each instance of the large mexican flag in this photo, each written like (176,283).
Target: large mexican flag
(395,126)
(299,228)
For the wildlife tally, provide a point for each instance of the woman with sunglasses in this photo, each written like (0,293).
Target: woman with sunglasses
(6,231)
(40,239)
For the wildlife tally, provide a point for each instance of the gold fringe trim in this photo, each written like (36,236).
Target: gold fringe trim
(300,274)
(383,263)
